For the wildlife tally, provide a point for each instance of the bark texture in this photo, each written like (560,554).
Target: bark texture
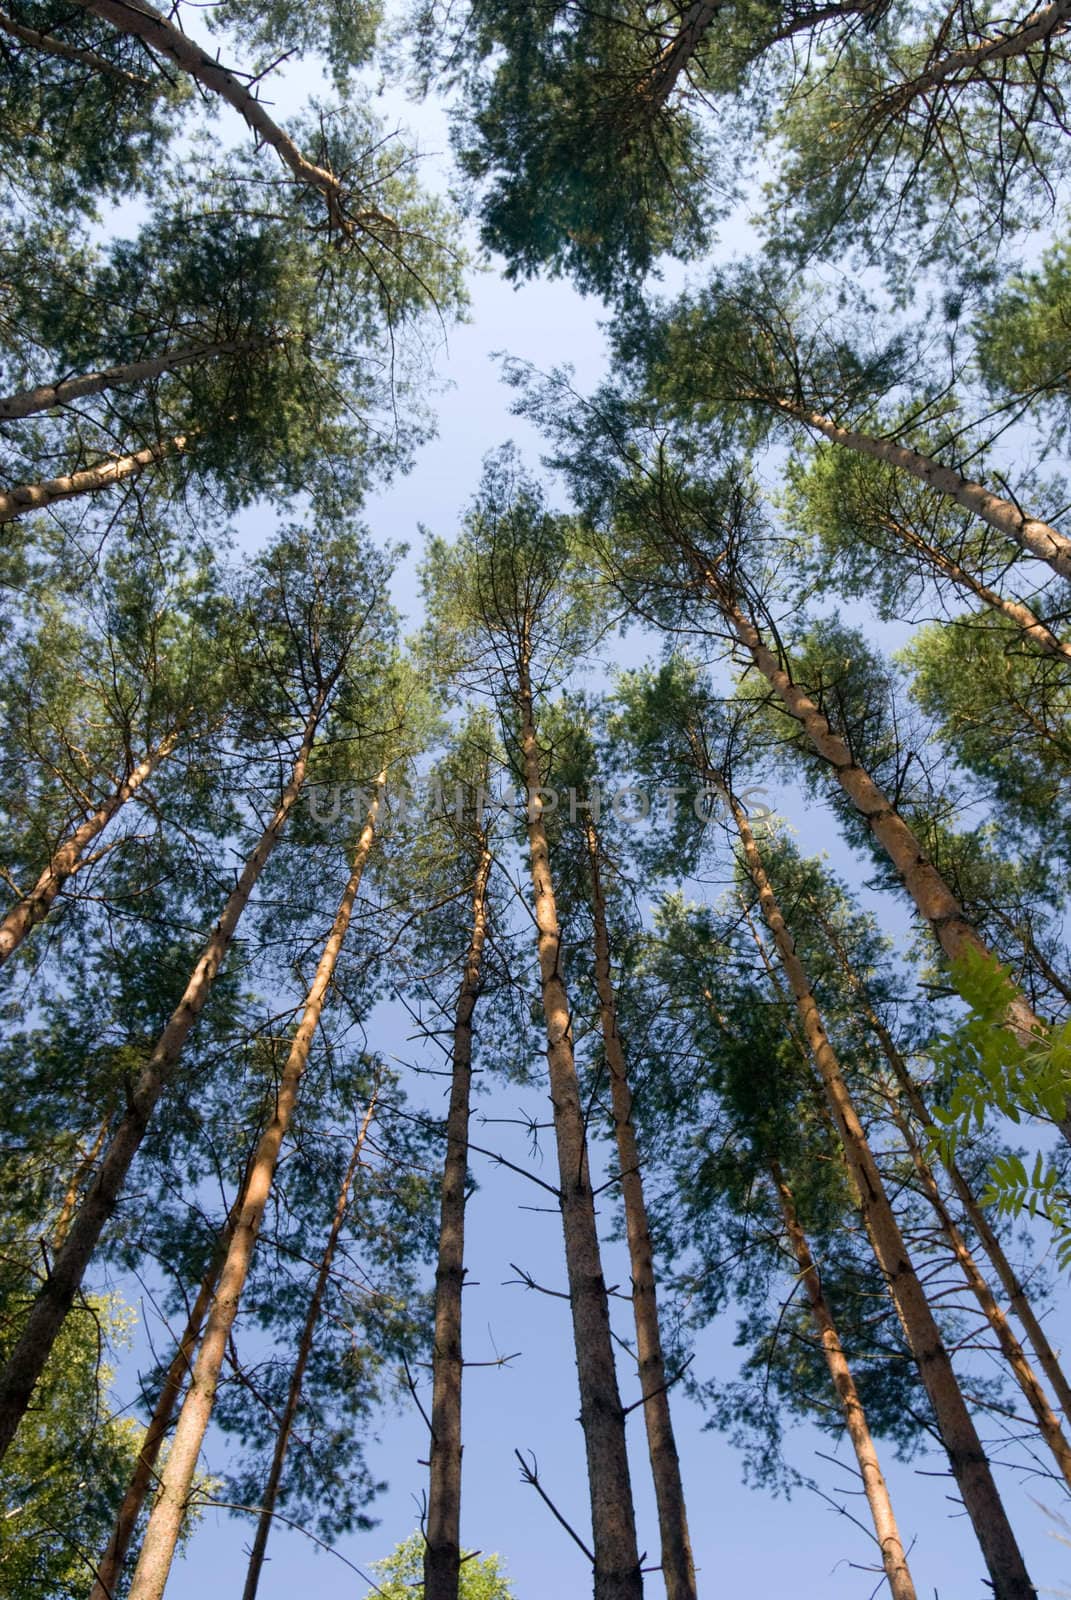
(117,469)
(56,1296)
(886,1531)
(442,1536)
(27,402)
(165,1521)
(678,1566)
(34,907)
(297,1377)
(50,45)
(1003,1559)
(617,1563)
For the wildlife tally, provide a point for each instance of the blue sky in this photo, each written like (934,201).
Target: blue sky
(744,1541)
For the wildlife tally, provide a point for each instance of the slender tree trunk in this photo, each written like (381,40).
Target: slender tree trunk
(1041,25)
(931,894)
(297,1377)
(78,1178)
(50,45)
(56,1295)
(1035,536)
(117,469)
(662,80)
(613,1522)
(1009,1281)
(162,37)
(1047,1421)
(35,906)
(1018,613)
(46,396)
(442,1537)
(1004,1561)
(678,1567)
(886,1531)
(165,1521)
(111,1563)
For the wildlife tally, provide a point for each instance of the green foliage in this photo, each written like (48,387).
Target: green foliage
(399,1576)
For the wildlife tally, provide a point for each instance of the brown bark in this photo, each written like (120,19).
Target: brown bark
(662,80)
(297,1377)
(74,1188)
(613,1522)
(1039,26)
(165,1521)
(1029,623)
(57,1294)
(144,22)
(678,1567)
(442,1535)
(1047,1422)
(50,45)
(931,894)
(35,906)
(1009,1281)
(111,1563)
(970,1468)
(117,469)
(26,402)
(886,1531)
(1035,536)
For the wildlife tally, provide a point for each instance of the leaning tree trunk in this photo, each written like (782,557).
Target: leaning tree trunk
(35,906)
(1047,1421)
(1041,26)
(886,1531)
(1017,612)
(297,1377)
(660,83)
(50,45)
(442,1534)
(46,396)
(74,1188)
(1004,1561)
(111,1563)
(931,894)
(56,1295)
(678,1567)
(1033,535)
(116,469)
(1017,1297)
(165,1522)
(613,1522)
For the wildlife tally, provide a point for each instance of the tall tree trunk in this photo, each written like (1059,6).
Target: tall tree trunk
(1017,1297)
(165,1521)
(26,402)
(886,1531)
(1004,1561)
(678,1567)
(111,1563)
(672,61)
(1035,536)
(48,44)
(163,37)
(921,879)
(1047,1422)
(116,469)
(297,1377)
(1045,23)
(613,1521)
(442,1538)
(1016,611)
(35,906)
(56,1295)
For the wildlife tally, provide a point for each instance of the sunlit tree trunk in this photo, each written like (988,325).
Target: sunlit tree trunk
(442,1535)
(74,1188)
(678,1567)
(48,44)
(165,1520)
(293,1396)
(56,1295)
(886,1530)
(116,469)
(65,390)
(617,1564)
(1004,1561)
(35,906)
(1035,536)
